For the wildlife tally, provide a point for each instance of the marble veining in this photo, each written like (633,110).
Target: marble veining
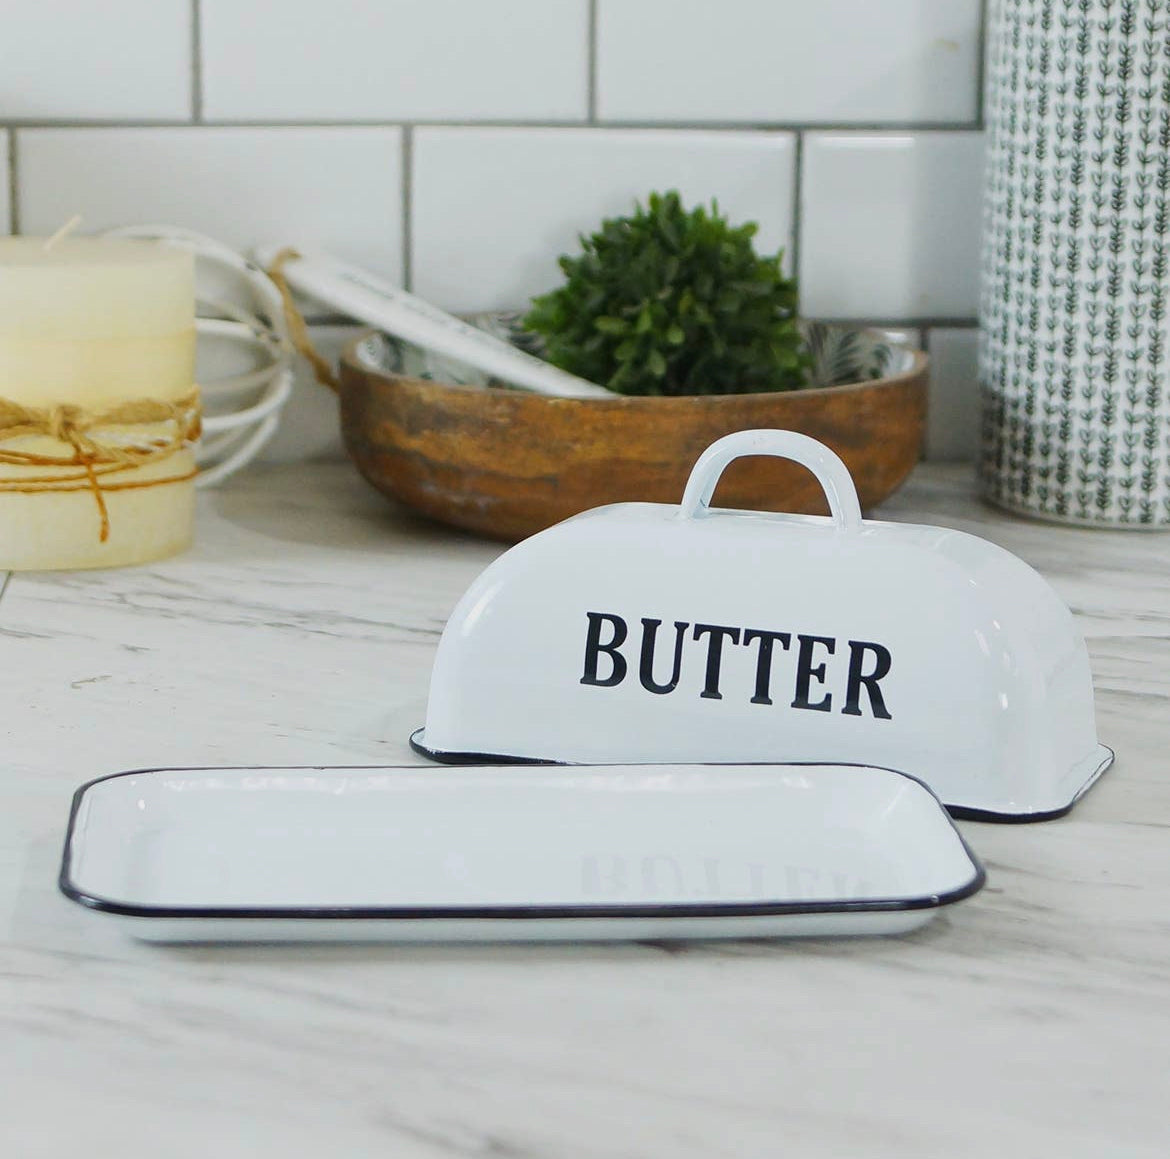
(1033,1020)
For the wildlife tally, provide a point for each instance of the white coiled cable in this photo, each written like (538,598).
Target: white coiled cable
(241,411)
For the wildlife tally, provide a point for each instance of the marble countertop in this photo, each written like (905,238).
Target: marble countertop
(1033,1020)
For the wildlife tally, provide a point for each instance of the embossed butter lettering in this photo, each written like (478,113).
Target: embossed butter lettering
(646,667)
(594,648)
(807,672)
(716,636)
(817,670)
(881,665)
(764,659)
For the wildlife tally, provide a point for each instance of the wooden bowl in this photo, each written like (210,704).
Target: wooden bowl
(507,463)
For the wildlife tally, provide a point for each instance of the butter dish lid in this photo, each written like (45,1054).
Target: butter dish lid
(513,853)
(644,632)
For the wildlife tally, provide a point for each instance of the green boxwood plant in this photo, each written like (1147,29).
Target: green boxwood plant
(671,301)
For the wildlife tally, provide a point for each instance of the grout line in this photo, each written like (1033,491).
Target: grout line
(926,324)
(13,185)
(577,124)
(138,123)
(591,65)
(196,61)
(407,206)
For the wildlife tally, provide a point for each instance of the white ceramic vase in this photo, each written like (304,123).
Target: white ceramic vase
(1076,277)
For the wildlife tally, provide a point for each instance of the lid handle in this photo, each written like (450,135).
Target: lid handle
(831,472)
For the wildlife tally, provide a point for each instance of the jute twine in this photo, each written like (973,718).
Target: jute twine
(298,330)
(94,460)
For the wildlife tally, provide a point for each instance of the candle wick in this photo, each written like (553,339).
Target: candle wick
(64,231)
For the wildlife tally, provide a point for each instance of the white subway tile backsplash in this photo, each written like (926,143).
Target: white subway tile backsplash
(888,218)
(784,61)
(84,60)
(395,59)
(339,189)
(890,224)
(493,208)
(953,422)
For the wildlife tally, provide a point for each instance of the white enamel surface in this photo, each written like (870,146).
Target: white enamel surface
(259,931)
(989,695)
(831,472)
(491,838)
(1028,1021)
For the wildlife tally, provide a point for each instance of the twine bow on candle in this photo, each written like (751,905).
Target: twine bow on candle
(94,458)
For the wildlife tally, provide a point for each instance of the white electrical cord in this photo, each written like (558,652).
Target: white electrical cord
(234,432)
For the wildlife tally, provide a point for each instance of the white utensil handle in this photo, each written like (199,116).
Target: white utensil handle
(831,473)
(369,299)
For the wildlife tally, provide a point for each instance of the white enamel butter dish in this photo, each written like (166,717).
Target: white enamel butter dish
(648,632)
(513,853)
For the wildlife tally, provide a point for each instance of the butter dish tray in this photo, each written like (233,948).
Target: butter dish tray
(513,853)
(695,634)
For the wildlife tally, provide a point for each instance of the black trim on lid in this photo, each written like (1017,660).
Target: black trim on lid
(444,757)
(959,812)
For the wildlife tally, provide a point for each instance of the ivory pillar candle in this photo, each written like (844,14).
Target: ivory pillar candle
(97,402)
